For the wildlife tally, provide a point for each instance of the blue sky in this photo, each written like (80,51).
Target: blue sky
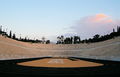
(49,18)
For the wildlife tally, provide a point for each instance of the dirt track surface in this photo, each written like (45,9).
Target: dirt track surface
(60,63)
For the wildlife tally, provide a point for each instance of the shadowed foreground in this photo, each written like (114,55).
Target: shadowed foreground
(11,68)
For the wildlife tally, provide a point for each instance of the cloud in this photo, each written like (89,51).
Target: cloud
(99,18)
(96,24)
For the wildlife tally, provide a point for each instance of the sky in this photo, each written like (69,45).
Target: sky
(52,18)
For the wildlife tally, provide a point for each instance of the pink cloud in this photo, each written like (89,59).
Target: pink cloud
(99,17)
(91,25)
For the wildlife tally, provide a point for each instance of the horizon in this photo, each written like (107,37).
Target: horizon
(49,19)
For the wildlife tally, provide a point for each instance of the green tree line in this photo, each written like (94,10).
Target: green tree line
(96,38)
(25,39)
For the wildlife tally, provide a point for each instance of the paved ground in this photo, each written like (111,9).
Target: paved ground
(10,68)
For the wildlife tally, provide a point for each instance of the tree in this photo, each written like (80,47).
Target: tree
(58,42)
(71,40)
(62,39)
(43,40)
(118,30)
(113,30)
(96,38)
(48,42)
(10,35)
(76,40)
(14,36)
(0,29)
(20,37)
(25,39)
(67,40)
